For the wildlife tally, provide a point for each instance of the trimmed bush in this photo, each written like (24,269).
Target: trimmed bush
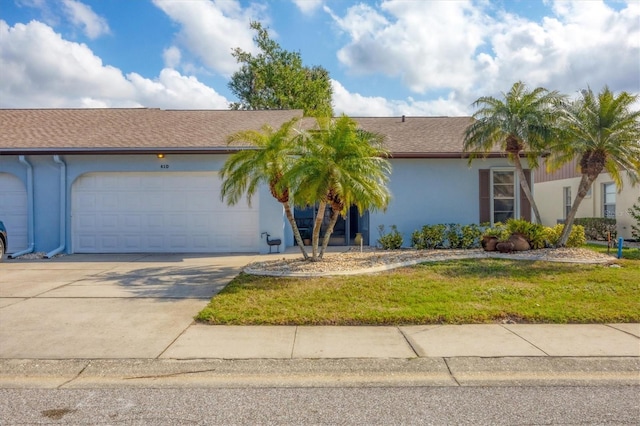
(471,236)
(577,236)
(534,233)
(453,235)
(429,237)
(391,241)
(596,228)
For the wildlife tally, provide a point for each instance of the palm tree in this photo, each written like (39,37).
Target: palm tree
(339,165)
(245,170)
(521,122)
(604,133)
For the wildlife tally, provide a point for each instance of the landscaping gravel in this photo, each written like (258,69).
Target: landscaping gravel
(373,260)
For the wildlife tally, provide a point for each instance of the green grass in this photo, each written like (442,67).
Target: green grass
(454,292)
(627,253)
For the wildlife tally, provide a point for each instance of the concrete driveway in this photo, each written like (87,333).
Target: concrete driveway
(106,306)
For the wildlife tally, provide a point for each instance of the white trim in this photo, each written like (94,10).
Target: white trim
(516,191)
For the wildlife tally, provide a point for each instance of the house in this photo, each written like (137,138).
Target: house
(145,180)
(556,191)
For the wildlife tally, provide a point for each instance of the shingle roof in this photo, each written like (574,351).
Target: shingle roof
(70,130)
(419,136)
(25,131)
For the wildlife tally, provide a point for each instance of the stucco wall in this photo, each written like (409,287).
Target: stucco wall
(549,199)
(46,177)
(424,191)
(431,191)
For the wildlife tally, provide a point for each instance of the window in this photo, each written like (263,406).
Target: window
(567,200)
(609,200)
(503,195)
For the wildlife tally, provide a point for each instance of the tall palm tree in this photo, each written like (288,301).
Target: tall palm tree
(339,165)
(268,161)
(604,133)
(522,122)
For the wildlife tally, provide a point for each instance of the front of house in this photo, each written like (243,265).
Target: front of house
(556,191)
(146,181)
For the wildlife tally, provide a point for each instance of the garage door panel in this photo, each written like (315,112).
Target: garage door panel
(158,212)
(13,211)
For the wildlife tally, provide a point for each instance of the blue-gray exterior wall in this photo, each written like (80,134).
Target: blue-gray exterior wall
(431,191)
(46,178)
(424,191)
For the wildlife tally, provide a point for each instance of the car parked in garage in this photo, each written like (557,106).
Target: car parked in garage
(3,240)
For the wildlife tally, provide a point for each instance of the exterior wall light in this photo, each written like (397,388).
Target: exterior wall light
(160,155)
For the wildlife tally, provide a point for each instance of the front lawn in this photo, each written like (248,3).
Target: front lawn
(454,292)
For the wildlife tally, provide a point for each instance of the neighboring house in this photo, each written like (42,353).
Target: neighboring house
(146,180)
(556,191)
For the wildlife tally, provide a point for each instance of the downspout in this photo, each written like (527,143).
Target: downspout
(30,210)
(63,207)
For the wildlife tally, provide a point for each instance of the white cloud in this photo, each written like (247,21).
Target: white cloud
(172,57)
(429,45)
(466,48)
(356,105)
(210,29)
(82,15)
(307,7)
(41,69)
(586,43)
(171,90)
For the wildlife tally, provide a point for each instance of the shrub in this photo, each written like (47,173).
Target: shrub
(534,233)
(453,235)
(498,230)
(577,236)
(471,235)
(391,241)
(635,213)
(429,237)
(596,228)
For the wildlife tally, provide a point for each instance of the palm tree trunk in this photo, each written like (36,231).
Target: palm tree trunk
(294,227)
(322,205)
(525,187)
(327,235)
(583,190)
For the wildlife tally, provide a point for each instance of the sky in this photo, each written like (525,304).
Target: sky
(385,57)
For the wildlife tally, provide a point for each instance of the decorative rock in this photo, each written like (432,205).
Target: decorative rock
(520,243)
(505,247)
(489,243)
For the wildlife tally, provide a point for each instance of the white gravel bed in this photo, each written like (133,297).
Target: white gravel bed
(372,260)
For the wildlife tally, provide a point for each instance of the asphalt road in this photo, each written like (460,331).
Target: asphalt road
(583,405)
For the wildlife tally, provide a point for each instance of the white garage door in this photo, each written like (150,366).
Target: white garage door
(13,211)
(177,212)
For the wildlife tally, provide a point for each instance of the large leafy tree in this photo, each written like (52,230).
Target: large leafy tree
(277,79)
(265,163)
(520,123)
(339,165)
(603,132)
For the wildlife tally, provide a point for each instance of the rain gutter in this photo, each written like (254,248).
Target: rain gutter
(63,207)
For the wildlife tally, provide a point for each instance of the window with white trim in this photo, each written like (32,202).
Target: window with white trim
(504,200)
(609,200)
(566,194)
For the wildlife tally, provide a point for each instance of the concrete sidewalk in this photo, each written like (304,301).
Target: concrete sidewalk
(323,342)
(112,317)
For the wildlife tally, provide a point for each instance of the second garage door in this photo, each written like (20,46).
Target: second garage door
(158,213)
(13,211)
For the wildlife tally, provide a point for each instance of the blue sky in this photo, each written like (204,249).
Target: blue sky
(385,58)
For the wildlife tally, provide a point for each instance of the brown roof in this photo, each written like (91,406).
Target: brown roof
(419,136)
(122,130)
(30,131)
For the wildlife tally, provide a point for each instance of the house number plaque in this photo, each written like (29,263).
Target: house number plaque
(164,166)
